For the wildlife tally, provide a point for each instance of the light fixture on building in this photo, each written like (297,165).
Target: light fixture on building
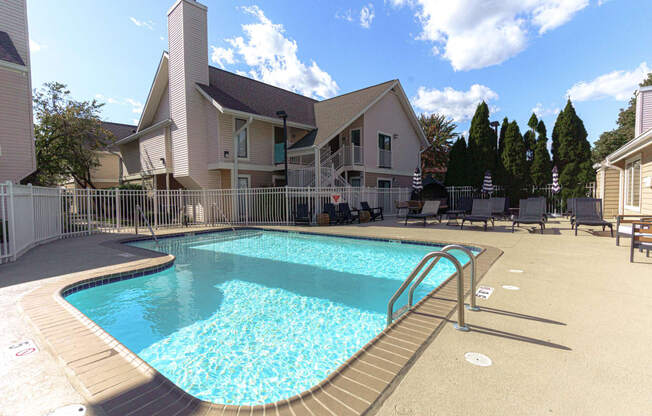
(226,154)
(162,161)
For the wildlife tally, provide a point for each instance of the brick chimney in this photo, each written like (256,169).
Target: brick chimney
(188,66)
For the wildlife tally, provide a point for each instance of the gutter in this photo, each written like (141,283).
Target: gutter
(163,123)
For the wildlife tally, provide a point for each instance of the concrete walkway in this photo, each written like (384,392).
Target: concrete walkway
(574,339)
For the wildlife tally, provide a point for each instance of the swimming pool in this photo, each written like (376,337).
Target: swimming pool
(254,317)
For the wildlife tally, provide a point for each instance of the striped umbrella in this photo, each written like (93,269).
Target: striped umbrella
(487,185)
(555,181)
(417,186)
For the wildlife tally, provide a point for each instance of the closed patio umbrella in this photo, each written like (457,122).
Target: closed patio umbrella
(555,181)
(417,185)
(487,185)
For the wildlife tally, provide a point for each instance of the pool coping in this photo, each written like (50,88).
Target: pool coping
(115,379)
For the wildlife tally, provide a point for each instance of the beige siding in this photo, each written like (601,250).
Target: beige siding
(163,110)
(643,111)
(130,158)
(387,116)
(646,171)
(398,181)
(107,174)
(611,192)
(16,126)
(152,147)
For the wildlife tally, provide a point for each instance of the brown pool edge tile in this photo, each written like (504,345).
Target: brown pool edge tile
(358,387)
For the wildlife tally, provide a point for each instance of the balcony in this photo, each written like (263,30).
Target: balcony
(279,153)
(384,158)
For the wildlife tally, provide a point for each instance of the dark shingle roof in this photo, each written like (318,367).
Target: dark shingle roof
(306,141)
(8,51)
(120,131)
(245,94)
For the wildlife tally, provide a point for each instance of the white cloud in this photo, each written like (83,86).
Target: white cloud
(136,106)
(541,111)
(344,15)
(367,15)
(106,99)
(34,46)
(135,121)
(273,58)
(142,23)
(619,85)
(458,105)
(222,56)
(475,34)
(161,37)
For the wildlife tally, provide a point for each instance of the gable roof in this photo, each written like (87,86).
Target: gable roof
(306,141)
(8,50)
(156,90)
(240,93)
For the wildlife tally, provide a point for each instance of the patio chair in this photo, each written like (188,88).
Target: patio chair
(499,207)
(329,209)
(401,206)
(374,212)
(641,238)
(302,215)
(530,212)
(430,210)
(348,215)
(624,225)
(542,202)
(480,212)
(588,211)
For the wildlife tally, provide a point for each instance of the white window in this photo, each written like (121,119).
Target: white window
(242,139)
(633,185)
(384,150)
(243,182)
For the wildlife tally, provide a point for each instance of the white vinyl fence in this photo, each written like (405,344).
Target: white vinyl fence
(31,215)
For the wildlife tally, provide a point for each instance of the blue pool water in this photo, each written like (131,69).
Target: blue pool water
(256,317)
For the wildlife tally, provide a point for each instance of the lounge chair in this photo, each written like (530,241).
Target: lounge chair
(542,202)
(401,206)
(373,212)
(530,212)
(588,211)
(430,210)
(641,238)
(302,215)
(499,207)
(348,215)
(480,212)
(329,209)
(624,225)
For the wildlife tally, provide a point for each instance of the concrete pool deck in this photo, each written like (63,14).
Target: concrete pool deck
(561,344)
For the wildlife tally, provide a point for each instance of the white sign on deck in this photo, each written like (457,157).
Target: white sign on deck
(483,292)
(23,349)
(336,198)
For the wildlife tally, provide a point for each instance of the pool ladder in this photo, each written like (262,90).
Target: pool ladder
(437,255)
(142,214)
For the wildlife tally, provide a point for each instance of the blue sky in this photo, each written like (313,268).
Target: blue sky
(516,54)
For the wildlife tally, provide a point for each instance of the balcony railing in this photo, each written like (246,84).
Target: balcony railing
(384,158)
(353,155)
(279,152)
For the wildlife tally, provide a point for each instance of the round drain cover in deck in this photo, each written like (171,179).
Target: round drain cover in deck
(70,410)
(515,271)
(476,358)
(510,287)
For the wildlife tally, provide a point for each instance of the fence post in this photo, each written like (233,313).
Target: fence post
(287,206)
(117,210)
(31,202)
(155,209)
(88,210)
(12,222)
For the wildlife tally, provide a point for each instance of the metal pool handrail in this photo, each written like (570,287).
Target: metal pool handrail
(460,325)
(146,223)
(472,306)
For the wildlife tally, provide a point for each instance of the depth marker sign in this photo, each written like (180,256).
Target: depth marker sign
(23,348)
(483,292)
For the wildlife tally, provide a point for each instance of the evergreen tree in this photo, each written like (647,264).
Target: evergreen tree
(541,168)
(482,145)
(554,146)
(514,162)
(500,169)
(458,165)
(573,154)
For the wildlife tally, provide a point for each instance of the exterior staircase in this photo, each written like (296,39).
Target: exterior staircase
(331,165)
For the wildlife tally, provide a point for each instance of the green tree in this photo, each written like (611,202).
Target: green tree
(554,146)
(440,133)
(514,162)
(541,168)
(67,135)
(573,153)
(611,140)
(458,165)
(500,169)
(482,145)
